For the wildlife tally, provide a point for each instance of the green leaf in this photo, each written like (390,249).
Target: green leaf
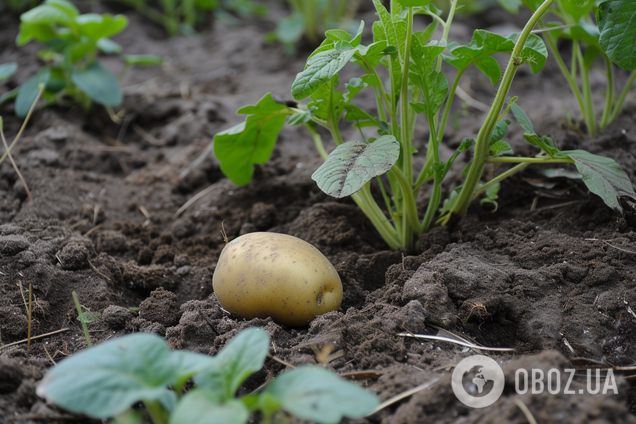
(9,95)
(40,32)
(320,69)
(47,14)
(241,357)
(93,25)
(545,143)
(201,406)
(500,148)
(141,59)
(108,46)
(602,176)
(434,88)
(352,164)
(319,395)
(414,3)
(251,142)
(98,83)
(105,380)
(534,52)
(491,196)
(500,131)
(7,69)
(88,317)
(617,23)
(64,5)
(29,91)
(577,9)
(483,45)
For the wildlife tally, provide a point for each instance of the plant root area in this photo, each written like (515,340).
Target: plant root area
(550,273)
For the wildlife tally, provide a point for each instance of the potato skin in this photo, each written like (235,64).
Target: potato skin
(276,275)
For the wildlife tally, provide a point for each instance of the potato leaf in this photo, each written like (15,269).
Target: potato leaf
(200,406)
(617,23)
(251,142)
(483,45)
(241,357)
(97,26)
(326,62)
(319,395)
(434,87)
(98,83)
(7,69)
(352,164)
(602,176)
(545,143)
(105,380)
(29,91)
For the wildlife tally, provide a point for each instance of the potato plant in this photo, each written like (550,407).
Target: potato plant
(71,73)
(105,381)
(416,87)
(610,39)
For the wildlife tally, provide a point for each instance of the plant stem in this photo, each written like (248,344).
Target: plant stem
(609,97)
(79,312)
(482,144)
(529,160)
(156,411)
(369,207)
(499,178)
(405,140)
(621,98)
(588,101)
(317,141)
(24,124)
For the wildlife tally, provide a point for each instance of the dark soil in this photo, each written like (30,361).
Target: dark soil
(556,282)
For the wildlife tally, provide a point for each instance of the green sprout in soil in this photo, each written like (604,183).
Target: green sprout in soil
(610,39)
(71,73)
(417,87)
(184,15)
(105,381)
(311,18)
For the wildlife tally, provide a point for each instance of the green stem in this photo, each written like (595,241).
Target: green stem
(156,411)
(588,101)
(529,160)
(317,141)
(570,75)
(621,98)
(410,208)
(433,204)
(482,144)
(406,142)
(449,103)
(370,208)
(79,312)
(609,97)
(499,178)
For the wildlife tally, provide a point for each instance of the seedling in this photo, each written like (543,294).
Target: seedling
(612,41)
(106,380)
(311,18)
(71,73)
(416,86)
(184,15)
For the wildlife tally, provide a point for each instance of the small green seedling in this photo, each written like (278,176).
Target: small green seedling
(611,38)
(106,380)
(71,70)
(416,86)
(311,18)
(184,15)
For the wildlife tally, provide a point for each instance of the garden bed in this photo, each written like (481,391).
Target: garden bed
(551,273)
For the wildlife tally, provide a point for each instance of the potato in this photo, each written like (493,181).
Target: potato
(276,275)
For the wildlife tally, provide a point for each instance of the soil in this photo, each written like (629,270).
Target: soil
(551,273)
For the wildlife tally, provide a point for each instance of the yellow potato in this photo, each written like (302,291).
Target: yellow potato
(276,275)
